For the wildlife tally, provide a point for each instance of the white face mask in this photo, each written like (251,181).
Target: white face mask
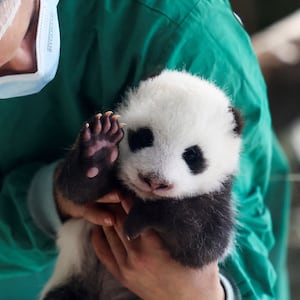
(47,54)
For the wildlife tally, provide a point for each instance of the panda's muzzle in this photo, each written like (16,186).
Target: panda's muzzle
(154,182)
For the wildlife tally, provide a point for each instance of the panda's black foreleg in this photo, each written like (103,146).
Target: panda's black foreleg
(87,173)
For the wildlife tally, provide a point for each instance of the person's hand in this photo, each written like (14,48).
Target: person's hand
(145,267)
(99,212)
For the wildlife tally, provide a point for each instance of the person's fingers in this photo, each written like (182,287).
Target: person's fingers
(116,245)
(98,215)
(150,238)
(103,252)
(112,197)
(131,246)
(127,204)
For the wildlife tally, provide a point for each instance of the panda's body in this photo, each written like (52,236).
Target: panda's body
(177,160)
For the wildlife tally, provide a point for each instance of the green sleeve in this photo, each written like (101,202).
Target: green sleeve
(24,247)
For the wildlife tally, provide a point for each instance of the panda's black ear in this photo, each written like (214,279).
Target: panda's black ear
(239,122)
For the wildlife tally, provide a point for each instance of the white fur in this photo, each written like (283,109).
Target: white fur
(73,237)
(182,110)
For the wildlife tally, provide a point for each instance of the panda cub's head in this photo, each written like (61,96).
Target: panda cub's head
(182,137)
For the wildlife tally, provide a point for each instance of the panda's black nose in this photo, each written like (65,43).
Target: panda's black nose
(155,182)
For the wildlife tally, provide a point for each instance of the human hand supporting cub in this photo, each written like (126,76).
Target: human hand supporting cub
(145,267)
(94,212)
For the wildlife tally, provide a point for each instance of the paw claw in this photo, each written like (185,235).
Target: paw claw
(108,113)
(116,117)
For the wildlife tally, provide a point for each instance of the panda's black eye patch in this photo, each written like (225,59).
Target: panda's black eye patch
(194,158)
(139,139)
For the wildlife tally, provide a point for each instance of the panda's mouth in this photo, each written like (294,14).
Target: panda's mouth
(146,192)
(157,189)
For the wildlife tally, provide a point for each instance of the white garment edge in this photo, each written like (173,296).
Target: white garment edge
(227,286)
(41,203)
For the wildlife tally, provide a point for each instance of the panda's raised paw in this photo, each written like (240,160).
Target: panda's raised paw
(88,172)
(98,142)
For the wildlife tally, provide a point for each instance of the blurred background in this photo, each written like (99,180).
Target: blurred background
(274,27)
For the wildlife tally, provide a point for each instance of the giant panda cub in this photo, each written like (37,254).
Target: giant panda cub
(176,156)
